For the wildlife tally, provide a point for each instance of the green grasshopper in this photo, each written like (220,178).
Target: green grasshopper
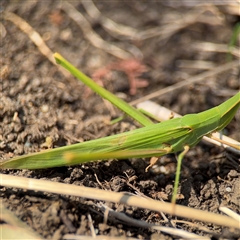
(171,136)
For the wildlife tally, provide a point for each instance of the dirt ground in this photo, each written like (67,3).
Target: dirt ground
(37,102)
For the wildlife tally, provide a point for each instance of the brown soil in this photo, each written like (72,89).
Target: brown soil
(44,103)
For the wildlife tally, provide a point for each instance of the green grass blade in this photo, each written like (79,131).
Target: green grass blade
(233,41)
(122,105)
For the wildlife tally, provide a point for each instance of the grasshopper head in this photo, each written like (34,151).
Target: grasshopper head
(227,111)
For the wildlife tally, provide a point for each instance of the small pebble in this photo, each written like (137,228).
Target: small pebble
(44,108)
(228,189)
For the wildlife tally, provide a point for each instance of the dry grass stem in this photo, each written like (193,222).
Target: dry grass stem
(99,237)
(216,47)
(13,228)
(142,224)
(35,37)
(163,32)
(230,213)
(200,77)
(92,193)
(92,36)
(196,64)
(113,28)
